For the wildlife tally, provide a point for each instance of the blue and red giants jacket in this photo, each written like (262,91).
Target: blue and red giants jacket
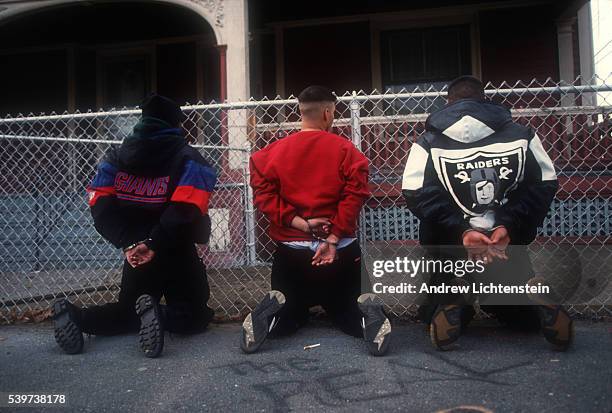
(153,186)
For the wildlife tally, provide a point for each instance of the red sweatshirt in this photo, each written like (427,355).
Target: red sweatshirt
(310,174)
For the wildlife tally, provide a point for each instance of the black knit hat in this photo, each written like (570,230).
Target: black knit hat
(160,107)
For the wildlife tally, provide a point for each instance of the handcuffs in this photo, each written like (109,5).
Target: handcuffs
(335,244)
(147,242)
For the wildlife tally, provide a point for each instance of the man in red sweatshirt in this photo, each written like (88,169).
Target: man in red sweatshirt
(311,186)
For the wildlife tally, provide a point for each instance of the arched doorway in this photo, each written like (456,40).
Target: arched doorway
(91,55)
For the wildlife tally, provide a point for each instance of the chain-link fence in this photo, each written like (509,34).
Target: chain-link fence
(50,249)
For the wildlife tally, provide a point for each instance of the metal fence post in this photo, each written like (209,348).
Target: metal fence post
(249,208)
(355,109)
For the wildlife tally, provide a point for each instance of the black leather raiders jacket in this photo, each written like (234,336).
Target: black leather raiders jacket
(475,168)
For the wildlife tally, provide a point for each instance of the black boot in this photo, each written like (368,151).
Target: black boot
(557,326)
(151,333)
(446,326)
(66,320)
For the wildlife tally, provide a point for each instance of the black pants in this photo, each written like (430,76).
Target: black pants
(178,275)
(518,268)
(335,287)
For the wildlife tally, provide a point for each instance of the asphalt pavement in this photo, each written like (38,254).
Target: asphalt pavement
(492,369)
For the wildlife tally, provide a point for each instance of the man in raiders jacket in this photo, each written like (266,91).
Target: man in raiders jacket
(311,186)
(149,197)
(477,179)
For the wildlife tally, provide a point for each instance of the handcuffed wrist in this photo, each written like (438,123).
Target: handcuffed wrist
(150,244)
(147,242)
(468,230)
(325,240)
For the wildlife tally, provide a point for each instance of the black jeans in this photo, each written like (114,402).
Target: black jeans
(179,275)
(335,287)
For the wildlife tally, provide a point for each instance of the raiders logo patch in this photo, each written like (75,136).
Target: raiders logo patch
(480,179)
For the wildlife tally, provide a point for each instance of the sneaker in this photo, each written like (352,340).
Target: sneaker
(445,326)
(67,330)
(261,321)
(557,326)
(151,335)
(375,324)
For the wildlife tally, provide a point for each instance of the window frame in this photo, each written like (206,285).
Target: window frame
(108,54)
(418,20)
(389,53)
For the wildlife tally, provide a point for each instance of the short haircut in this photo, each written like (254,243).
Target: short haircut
(466,87)
(313,100)
(316,94)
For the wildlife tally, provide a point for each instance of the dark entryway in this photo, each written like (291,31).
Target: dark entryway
(101,55)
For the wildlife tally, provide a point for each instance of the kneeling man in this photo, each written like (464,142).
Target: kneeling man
(481,182)
(150,198)
(311,186)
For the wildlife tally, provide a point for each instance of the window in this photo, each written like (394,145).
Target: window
(125,78)
(423,57)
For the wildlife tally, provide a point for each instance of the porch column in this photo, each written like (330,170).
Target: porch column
(585,45)
(565,45)
(222,72)
(236,33)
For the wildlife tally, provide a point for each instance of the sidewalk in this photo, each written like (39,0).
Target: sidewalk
(492,370)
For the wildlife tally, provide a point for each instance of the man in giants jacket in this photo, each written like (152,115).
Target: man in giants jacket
(149,197)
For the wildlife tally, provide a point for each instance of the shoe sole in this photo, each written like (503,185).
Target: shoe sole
(376,333)
(151,334)
(441,331)
(257,320)
(67,334)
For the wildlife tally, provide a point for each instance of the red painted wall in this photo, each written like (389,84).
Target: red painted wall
(518,44)
(337,56)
